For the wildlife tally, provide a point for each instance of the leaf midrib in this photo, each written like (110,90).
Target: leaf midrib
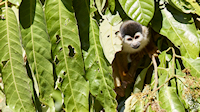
(98,56)
(9,47)
(175,31)
(65,57)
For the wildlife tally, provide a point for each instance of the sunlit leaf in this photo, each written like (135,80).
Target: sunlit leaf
(181,87)
(109,40)
(15,78)
(66,50)
(179,28)
(100,5)
(37,46)
(193,65)
(141,11)
(169,100)
(16,2)
(139,106)
(113,19)
(111,5)
(130,103)
(97,71)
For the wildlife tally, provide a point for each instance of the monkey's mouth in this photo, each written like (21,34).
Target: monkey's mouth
(135,46)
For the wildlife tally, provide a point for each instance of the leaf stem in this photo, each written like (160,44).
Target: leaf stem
(2,3)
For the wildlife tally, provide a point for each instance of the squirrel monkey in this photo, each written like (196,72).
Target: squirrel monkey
(134,36)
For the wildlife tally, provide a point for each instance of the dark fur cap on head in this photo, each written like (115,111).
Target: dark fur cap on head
(130,27)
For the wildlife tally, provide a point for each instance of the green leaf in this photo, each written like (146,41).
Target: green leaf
(139,83)
(15,78)
(37,46)
(169,100)
(139,106)
(109,40)
(130,103)
(181,88)
(193,65)
(113,19)
(186,6)
(16,2)
(164,58)
(83,19)
(111,5)
(62,28)
(98,72)
(141,11)
(100,5)
(196,7)
(179,28)
(163,76)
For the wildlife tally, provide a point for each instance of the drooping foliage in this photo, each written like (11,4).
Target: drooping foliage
(62,55)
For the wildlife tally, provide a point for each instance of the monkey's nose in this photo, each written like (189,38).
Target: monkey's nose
(135,46)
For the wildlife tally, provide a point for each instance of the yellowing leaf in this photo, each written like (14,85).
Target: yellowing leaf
(109,40)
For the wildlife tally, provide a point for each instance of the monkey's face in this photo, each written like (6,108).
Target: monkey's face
(135,41)
(134,36)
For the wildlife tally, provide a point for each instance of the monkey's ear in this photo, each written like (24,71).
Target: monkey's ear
(145,30)
(119,35)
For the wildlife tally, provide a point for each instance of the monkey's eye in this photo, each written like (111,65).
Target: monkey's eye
(129,39)
(136,37)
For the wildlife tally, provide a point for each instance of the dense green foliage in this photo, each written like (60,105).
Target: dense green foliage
(55,55)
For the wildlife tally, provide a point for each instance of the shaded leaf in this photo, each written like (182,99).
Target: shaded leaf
(15,78)
(179,28)
(67,54)
(186,6)
(37,46)
(169,100)
(139,83)
(141,11)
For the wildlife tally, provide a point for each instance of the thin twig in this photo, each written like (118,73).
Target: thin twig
(156,73)
(163,84)
(1,3)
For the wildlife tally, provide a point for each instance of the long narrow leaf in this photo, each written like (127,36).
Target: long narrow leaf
(101,82)
(97,70)
(67,54)
(15,78)
(37,46)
